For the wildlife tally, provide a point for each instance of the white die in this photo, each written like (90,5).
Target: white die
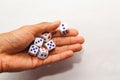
(38,42)
(63,28)
(42,53)
(46,36)
(33,50)
(50,45)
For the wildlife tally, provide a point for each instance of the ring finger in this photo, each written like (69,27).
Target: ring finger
(74,48)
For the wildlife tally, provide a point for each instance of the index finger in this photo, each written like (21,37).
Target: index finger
(71,32)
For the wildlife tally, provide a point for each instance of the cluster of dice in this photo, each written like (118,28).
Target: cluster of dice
(44,44)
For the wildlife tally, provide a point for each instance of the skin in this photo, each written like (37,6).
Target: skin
(14,46)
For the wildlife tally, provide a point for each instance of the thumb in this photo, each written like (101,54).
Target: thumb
(37,29)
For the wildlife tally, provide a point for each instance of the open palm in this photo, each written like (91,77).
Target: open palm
(14,46)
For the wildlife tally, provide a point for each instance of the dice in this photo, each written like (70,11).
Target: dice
(42,53)
(46,36)
(38,42)
(50,45)
(43,44)
(33,50)
(63,28)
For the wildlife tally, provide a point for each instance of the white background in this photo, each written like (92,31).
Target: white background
(97,20)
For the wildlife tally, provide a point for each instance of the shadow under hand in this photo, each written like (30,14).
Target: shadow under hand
(52,69)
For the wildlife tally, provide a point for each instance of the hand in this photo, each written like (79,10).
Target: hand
(14,46)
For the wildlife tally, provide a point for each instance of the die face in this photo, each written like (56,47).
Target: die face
(43,50)
(38,42)
(50,45)
(42,53)
(33,50)
(64,28)
(46,36)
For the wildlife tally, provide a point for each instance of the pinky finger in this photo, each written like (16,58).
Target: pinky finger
(58,57)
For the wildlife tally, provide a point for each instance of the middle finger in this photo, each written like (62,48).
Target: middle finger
(60,41)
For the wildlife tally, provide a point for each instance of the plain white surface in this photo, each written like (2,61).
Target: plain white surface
(97,20)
